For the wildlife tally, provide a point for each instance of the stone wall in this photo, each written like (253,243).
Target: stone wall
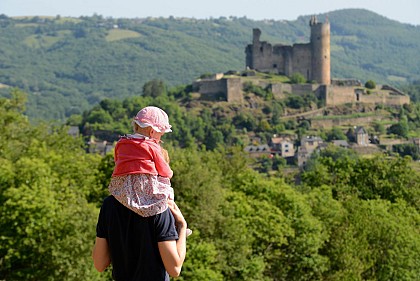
(211,89)
(301,60)
(301,89)
(230,89)
(336,95)
(234,90)
(385,98)
(280,90)
(329,123)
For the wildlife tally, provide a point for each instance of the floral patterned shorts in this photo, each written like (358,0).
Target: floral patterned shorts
(144,194)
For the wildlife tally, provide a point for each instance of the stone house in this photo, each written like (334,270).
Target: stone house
(308,145)
(362,136)
(283,146)
(258,150)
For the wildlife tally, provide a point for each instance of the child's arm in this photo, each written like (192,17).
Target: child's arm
(162,166)
(165,155)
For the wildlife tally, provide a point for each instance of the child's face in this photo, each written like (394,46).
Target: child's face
(156,135)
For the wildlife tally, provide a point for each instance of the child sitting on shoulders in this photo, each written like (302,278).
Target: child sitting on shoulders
(141,177)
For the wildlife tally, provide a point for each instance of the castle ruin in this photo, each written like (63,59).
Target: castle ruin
(312,60)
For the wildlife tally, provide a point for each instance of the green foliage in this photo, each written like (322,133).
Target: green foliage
(351,219)
(409,149)
(336,134)
(249,87)
(295,102)
(413,90)
(379,128)
(400,129)
(154,88)
(44,212)
(366,178)
(297,78)
(370,84)
(67,65)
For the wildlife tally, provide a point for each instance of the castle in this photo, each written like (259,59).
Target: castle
(311,60)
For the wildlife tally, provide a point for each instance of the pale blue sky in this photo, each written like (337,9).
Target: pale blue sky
(405,11)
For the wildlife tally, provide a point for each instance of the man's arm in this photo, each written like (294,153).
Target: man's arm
(173,252)
(100,254)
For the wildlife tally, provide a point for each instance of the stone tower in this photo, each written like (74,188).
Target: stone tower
(320,48)
(312,59)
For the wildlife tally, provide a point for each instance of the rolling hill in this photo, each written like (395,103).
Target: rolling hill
(66,65)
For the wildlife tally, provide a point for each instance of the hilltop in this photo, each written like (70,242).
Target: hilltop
(67,65)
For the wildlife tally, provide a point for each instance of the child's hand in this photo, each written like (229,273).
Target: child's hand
(165,155)
(179,218)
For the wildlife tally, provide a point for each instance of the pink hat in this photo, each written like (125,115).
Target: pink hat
(152,116)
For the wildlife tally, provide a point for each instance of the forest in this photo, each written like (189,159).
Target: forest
(348,218)
(74,63)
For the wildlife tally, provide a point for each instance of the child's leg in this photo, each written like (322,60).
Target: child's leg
(138,192)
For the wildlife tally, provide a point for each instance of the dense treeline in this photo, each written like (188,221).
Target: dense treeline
(351,218)
(73,63)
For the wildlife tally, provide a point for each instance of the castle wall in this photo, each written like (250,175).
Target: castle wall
(329,123)
(336,95)
(280,58)
(397,100)
(227,89)
(211,89)
(234,90)
(301,89)
(280,90)
(385,98)
(301,60)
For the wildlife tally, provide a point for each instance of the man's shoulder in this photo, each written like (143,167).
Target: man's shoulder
(110,200)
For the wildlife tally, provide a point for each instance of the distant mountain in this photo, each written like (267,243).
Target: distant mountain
(66,65)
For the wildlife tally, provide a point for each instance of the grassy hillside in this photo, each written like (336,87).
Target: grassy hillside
(66,65)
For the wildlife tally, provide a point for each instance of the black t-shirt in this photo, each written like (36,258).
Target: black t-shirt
(133,241)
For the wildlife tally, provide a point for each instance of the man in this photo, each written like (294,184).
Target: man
(140,248)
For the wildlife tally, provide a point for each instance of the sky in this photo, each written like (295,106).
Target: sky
(404,11)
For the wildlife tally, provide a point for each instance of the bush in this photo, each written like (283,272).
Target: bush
(370,84)
(297,78)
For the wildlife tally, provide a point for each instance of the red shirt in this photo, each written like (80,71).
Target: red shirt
(135,155)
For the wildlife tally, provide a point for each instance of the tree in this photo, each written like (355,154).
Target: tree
(407,149)
(336,134)
(44,212)
(295,102)
(401,128)
(366,178)
(154,88)
(370,84)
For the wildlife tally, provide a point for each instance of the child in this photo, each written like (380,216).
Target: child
(141,177)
